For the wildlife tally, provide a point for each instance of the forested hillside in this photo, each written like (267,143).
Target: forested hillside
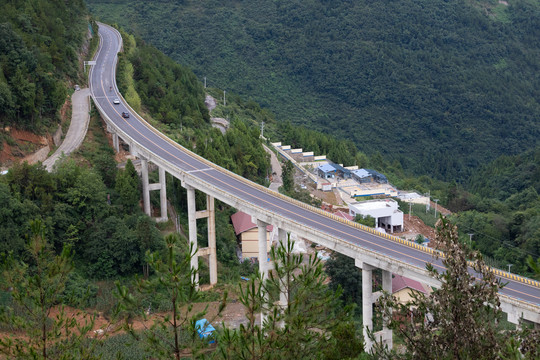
(172,97)
(441,86)
(39,46)
(504,213)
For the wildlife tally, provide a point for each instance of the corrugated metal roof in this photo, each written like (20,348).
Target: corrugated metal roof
(400,282)
(341,168)
(326,168)
(377,174)
(361,173)
(242,223)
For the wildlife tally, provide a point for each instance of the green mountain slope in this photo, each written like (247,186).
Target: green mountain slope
(508,175)
(441,86)
(39,45)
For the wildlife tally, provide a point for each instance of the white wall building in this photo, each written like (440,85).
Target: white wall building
(413,197)
(386,213)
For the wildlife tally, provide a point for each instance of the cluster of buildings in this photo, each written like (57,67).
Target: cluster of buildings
(351,183)
(362,176)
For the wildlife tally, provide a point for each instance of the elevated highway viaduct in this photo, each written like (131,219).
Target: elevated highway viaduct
(520,298)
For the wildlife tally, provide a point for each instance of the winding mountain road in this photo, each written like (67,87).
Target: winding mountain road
(228,185)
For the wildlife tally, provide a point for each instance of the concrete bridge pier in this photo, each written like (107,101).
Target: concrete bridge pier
(367,303)
(210,251)
(116,142)
(192,230)
(210,215)
(386,334)
(147,187)
(115,138)
(283,290)
(263,248)
(163,194)
(283,294)
(263,257)
(368,298)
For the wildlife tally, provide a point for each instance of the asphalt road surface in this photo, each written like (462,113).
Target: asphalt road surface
(80,118)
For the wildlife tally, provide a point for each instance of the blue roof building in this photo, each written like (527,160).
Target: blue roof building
(361,175)
(326,171)
(369,175)
(341,171)
(377,176)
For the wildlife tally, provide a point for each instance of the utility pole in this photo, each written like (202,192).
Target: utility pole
(205,82)
(410,210)
(470,239)
(428,200)
(510,266)
(436,201)
(224,100)
(262,129)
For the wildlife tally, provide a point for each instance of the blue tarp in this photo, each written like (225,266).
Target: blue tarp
(205,329)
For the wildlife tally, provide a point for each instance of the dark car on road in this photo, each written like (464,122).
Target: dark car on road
(125,114)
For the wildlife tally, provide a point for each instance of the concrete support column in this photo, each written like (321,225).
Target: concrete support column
(192,224)
(367,304)
(263,257)
(146,189)
(387,286)
(263,248)
(116,142)
(212,258)
(283,294)
(163,193)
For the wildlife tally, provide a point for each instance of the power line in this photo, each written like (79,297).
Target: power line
(502,242)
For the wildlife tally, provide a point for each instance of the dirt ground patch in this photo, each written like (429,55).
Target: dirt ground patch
(24,145)
(415,226)
(232,316)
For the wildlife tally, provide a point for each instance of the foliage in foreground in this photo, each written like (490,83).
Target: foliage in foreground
(458,320)
(37,287)
(302,317)
(170,334)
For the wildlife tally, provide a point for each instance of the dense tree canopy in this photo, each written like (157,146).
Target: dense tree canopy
(440,86)
(39,43)
(73,206)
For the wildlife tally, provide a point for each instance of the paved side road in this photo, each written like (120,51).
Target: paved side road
(276,169)
(80,118)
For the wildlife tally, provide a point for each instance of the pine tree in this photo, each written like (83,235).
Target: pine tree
(36,288)
(460,319)
(304,318)
(172,335)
